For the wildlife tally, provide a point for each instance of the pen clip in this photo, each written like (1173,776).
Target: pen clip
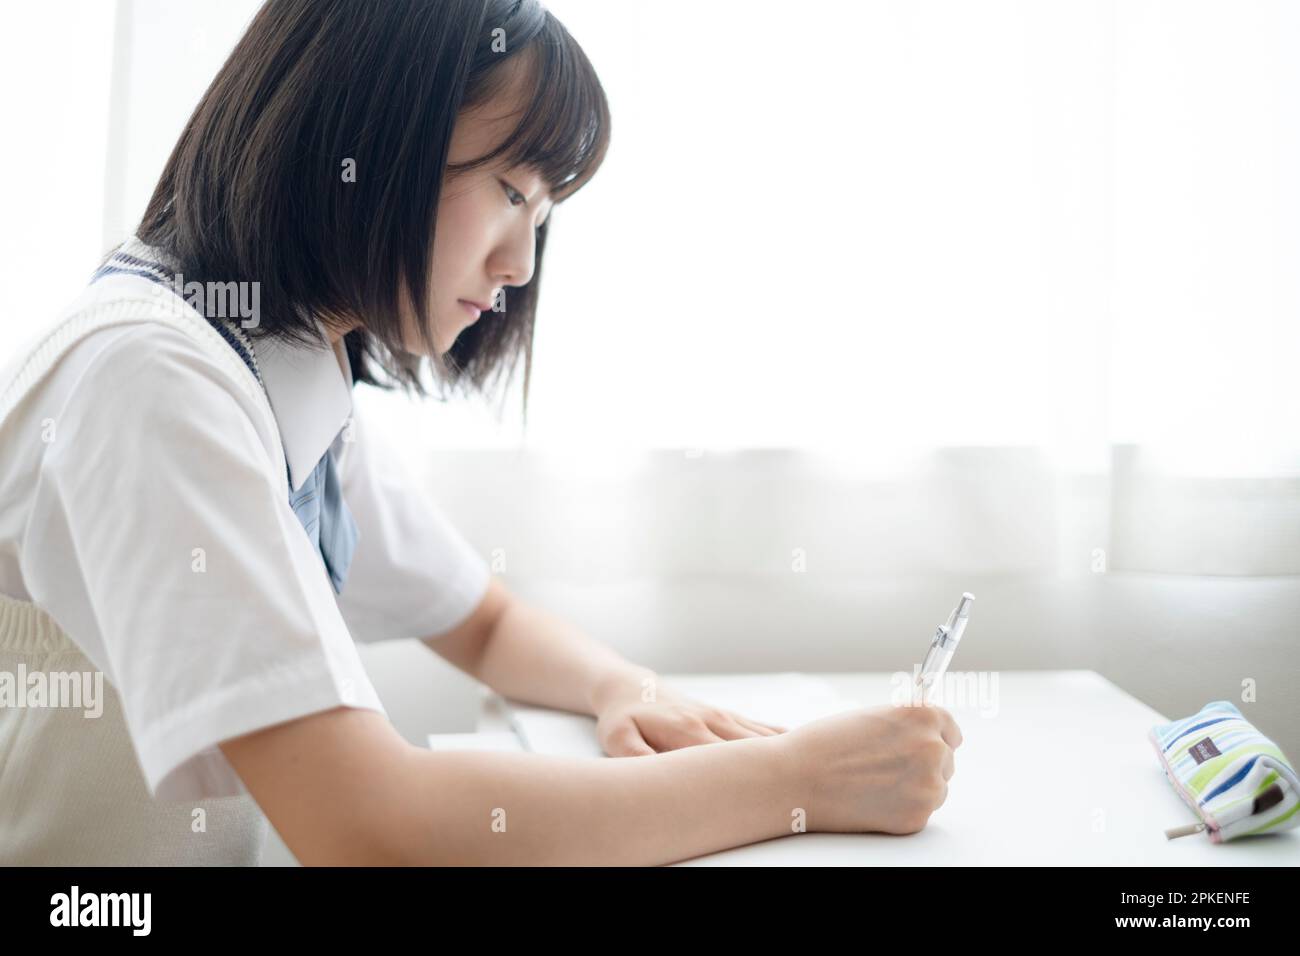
(961,611)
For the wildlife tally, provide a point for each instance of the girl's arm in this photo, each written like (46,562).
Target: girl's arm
(342,787)
(529,655)
(525,653)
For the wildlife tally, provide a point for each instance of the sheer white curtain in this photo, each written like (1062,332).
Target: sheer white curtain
(919,224)
(55,63)
(1017,277)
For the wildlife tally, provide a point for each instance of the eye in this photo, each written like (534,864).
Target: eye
(518,199)
(515,196)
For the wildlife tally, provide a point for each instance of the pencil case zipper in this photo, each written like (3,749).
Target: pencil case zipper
(1202,824)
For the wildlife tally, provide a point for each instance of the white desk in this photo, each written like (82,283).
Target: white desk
(1059,772)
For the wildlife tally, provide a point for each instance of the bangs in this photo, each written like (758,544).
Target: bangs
(564,131)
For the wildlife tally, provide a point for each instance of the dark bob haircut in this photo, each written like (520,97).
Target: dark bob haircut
(253,190)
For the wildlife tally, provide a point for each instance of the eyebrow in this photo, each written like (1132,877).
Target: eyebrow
(544,194)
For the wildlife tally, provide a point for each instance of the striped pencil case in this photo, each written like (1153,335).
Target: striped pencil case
(1236,780)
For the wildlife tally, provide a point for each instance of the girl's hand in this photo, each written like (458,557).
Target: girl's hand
(627,725)
(880,769)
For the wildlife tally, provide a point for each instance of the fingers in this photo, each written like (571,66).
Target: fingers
(662,732)
(734,721)
(757,726)
(674,734)
(626,741)
(766,730)
(950,732)
(948,728)
(729,727)
(711,734)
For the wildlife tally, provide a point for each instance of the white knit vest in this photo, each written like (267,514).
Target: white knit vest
(71,788)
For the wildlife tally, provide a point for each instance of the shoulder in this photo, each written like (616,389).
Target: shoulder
(124,317)
(136,365)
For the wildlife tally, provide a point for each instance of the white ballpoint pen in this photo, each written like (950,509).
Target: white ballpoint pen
(943,645)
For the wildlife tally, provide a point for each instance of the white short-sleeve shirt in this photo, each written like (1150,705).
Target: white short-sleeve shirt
(139,506)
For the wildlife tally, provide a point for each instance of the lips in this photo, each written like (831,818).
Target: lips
(471,307)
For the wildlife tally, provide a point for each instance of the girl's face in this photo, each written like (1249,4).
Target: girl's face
(487,226)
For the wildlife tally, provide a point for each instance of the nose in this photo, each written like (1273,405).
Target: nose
(514,261)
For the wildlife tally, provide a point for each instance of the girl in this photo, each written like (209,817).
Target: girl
(192,512)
